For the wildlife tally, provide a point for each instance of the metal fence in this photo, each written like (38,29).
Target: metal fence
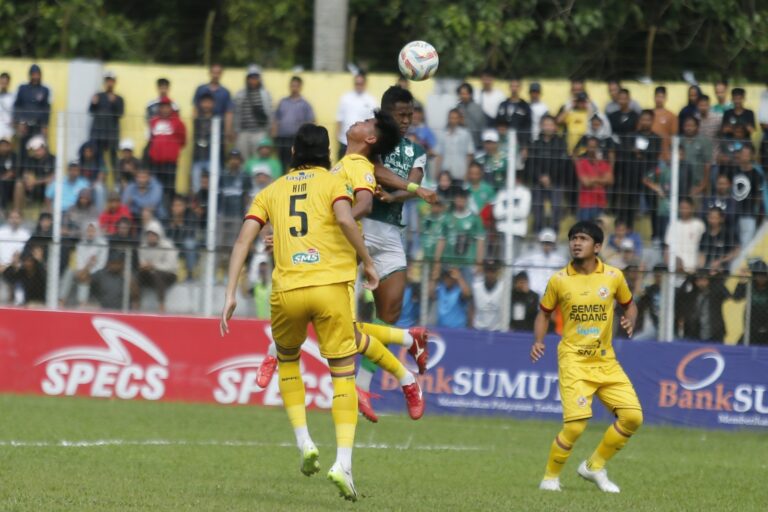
(682,217)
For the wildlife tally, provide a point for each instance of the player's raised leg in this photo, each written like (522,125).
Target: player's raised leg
(267,367)
(414,340)
(378,354)
(293,393)
(344,412)
(559,452)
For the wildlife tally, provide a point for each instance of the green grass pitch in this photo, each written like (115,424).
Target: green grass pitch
(193,457)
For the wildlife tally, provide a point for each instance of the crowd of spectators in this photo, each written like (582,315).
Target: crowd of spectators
(125,223)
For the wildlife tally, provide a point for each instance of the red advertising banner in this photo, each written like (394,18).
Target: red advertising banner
(145,357)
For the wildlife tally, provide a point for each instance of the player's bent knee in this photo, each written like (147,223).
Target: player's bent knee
(572,430)
(390,314)
(630,419)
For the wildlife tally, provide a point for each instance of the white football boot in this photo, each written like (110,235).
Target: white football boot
(599,478)
(550,484)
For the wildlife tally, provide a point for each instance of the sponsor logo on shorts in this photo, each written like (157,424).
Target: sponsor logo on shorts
(311,256)
(369,179)
(581,401)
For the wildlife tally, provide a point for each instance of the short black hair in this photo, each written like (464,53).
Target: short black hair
(687,199)
(738,91)
(624,91)
(311,147)
(393,95)
(691,118)
(206,96)
(588,228)
(387,134)
(466,86)
(703,97)
(163,81)
(459,191)
(297,79)
(722,81)
(548,116)
(647,112)
(660,90)
(5,74)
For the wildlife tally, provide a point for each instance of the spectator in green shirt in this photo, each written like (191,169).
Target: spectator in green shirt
(264,160)
(481,193)
(462,242)
(432,229)
(493,160)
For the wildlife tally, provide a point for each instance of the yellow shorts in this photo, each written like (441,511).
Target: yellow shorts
(579,383)
(327,307)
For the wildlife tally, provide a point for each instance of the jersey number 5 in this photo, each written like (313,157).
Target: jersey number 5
(302,230)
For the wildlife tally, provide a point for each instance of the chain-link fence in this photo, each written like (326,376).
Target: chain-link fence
(128,220)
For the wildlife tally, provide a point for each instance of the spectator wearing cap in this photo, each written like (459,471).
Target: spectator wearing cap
(32,107)
(145,193)
(686,234)
(252,114)
(472,115)
(292,112)
(699,307)
(626,255)
(575,119)
(158,261)
(9,167)
(356,105)
(113,212)
(595,176)
(70,187)
(719,245)
(234,196)
(264,161)
(107,108)
(38,171)
(201,151)
(168,135)
(128,164)
(542,262)
(223,106)
(614,91)
(455,147)
(488,98)
(738,114)
(665,123)
(549,170)
(7,98)
(538,109)
(517,113)
(453,298)
(493,160)
(107,284)
(153,107)
(487,295)
(758,305)
(462,242)
(525,304)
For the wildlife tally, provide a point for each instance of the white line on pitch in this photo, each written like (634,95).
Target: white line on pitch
(179,442)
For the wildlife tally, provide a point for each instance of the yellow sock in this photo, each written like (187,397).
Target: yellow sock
(384,333)
(615,438)
(344,407)
(562,446)
(292,390)
(375,350)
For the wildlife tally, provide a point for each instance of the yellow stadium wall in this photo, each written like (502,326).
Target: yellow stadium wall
(136,83)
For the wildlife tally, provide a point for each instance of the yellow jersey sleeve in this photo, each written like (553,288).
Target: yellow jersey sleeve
(549,299)
(623,295)
(258,209)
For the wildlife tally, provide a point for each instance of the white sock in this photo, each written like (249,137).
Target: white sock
(302,436)
(272,350)
(408,378)
(407,339)
(364,378)
(344,457)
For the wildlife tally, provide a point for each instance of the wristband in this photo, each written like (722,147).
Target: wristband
(412,187)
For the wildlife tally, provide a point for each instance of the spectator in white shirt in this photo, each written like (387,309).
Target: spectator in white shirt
(538,109)
(686,236)
(354,106)
(487,293)
(455,147)
(7,98)
(13,236)
(521,209)
(541,263)
(487,97)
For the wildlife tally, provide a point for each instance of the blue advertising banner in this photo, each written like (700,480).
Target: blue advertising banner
(686,384)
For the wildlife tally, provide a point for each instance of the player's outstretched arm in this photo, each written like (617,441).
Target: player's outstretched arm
(629,318)
(248,233)
(346,221)
(540,326)
(387,178)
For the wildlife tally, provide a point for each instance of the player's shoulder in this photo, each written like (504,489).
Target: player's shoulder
(418,149)
(560,274)
(612,272)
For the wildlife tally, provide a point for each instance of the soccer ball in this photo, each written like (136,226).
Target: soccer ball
(418,60)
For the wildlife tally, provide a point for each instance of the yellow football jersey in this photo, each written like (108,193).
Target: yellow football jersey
(310,249)
(586,303)
(356,171)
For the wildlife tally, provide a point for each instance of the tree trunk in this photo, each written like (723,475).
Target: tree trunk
(330,35)
(649,51)
(208,38)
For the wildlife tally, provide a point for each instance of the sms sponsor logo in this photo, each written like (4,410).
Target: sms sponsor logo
(235,379)
(311,256)
(111,371)
(699,386)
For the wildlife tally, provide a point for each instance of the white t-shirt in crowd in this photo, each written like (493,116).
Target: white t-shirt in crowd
(686,235)
(11,242)
(489,101)
(488,304)
(540,266)
(538,110)
(353,107)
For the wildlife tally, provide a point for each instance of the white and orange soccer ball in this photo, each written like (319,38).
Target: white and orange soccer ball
(418,60)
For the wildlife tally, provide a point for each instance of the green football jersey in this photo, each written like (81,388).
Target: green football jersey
(462,233)
(405,157)
(431,231)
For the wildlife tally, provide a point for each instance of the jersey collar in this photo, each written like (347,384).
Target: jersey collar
(598,270)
